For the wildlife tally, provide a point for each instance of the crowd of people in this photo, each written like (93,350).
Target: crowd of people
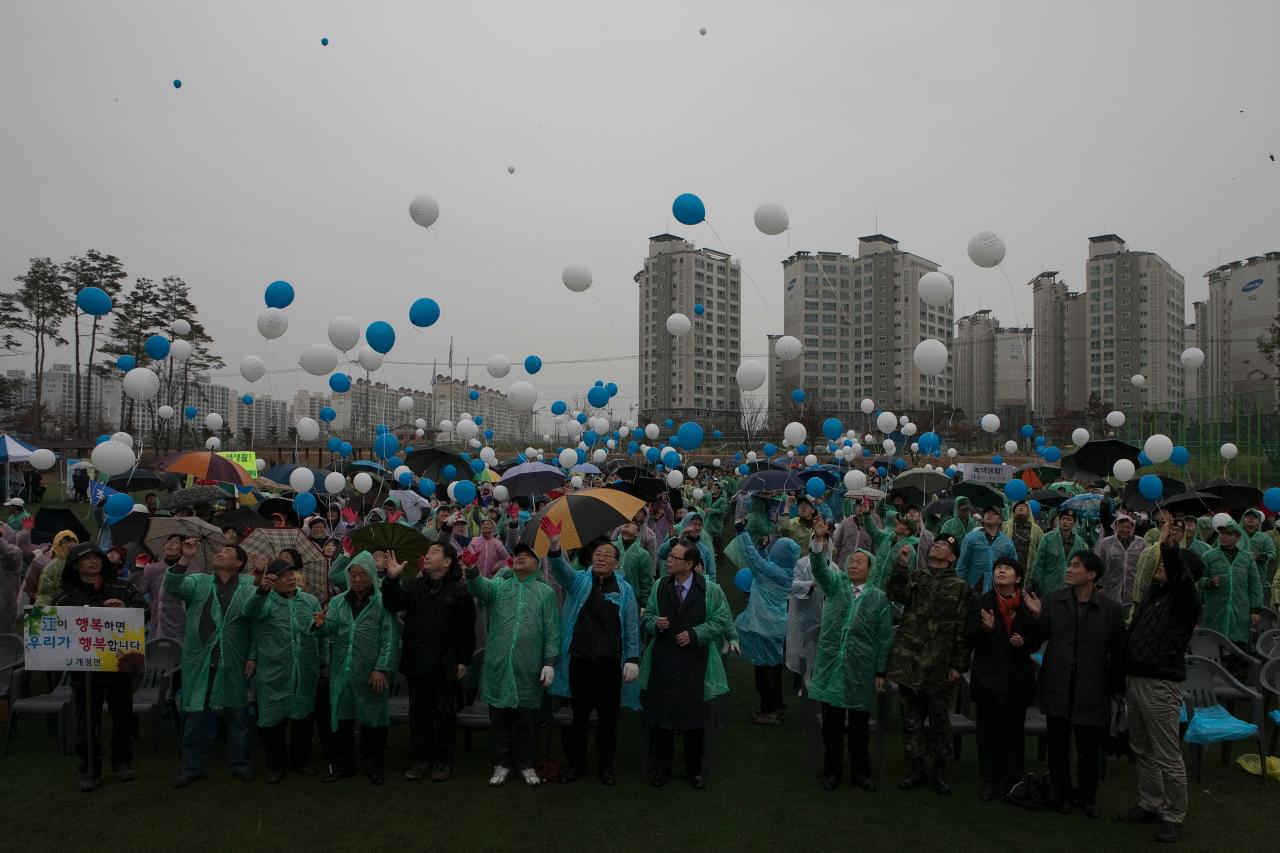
(1068,612)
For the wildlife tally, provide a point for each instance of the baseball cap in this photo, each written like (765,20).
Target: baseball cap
(522,548)
(951,541)
(19,502)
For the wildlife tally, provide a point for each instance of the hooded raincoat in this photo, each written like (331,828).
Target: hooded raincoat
(957,526)
(853,643)
(1048,571)
(763,625)
(287,655)
(1228,605)
(636,566)
(523,637)
(978,554)
(231,637)
(577,587)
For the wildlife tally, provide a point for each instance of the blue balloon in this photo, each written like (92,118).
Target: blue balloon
(333,443)
(339,383)
(190,411)
(802,449)
(1143,459)
(1151,487)
(118,504)
(1035,507)
(589,437)
(742,580)
(797,396)
(380,429)
(691,435)
(424,312)
(1271,499)
(477,465)
(737,457)
(532,364)
(157,346)
(632,446)
(304,504)
(394,462)
(344,450)
(899,463)
(380,336)
(581,418)
(464,492)
(770,449)
(1016,490)
(479,419)
(488,435)
(385,445)
(997,459)
(559,408)
(473,394)
(930,442)
(668,423)
(405,480)
(582,456)
(671,459)
(247,399)
(1052,454)
(1028,430)
(1041,441)
(279,294)
(699,309)
(688,209)
(427,487)
(95,302)
(598,397)
(324,42)
(177,84)
(653,454)
(832,428)
(880,469)
(951,471)
(1180,455)
(328,414)
(126,363)
(744,470)
(716,434)
(815,488)
(612,388)
(449,472)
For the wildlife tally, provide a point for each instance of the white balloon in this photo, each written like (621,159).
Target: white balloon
(260,464)
(886,422)
(854,480)
(651,431)
(522,395)
(1158,448)
(308,429)
(1079,436)
(498,365)
(475,442)
(679,325)
(1138,380)
(141,383)
(698,494)
(902,419)
(213,422)
(568,458)
(952,453)
(302,480)
(675,479)
(795,433)
(908,428)
(1222,519)
(869,438)
(272,323)
(986,249)
(1123,470)
(990,423)
(751,375)
(500,493)
(446,426)
(693,472)
(1115,419)
(180,327)
(1011,446)
(344,333)
(405,404)
(598,456)
(1229,451)
(1192,357)
(424,210)
(889,446)
(401,469)
(164,412)
(362,482)
(867,405)
(488,455)
(602,426)
(213,443)
(370,359)
(419,432)
(930,357)
(611,444)
(42,459)
(334,482)
(467,429)
(318,359)
(122,437)
(810,460)
(788,347)
(575,482)
(252,368)
(715,463)
(180,350)
(576,277)
(935,289)
(751,456)
(770,218)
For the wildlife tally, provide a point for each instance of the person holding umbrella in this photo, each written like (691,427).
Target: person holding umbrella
(980,549)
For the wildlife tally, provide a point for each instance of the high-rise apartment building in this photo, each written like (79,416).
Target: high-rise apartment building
(264,422)
(1136,320)
(860,319)
(690,377)
(992,368)
(1060,343)
(1244,299)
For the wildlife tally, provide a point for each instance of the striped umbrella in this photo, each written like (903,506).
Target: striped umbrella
(582,516)
(209,466)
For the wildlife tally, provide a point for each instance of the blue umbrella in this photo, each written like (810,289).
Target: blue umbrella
(1087,505)
(771,480)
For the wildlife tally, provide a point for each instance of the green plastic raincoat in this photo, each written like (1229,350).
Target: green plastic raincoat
(287,655)
(957,526)
(1228,605)
(854,641)
(231,636)
(636,566)
(1048,571)
(524,636)
(887,549)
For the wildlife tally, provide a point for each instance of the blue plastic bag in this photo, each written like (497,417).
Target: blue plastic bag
(1215,725)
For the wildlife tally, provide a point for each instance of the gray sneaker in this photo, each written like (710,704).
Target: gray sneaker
(417,772)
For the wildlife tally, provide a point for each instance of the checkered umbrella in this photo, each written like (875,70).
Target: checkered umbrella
(269,542)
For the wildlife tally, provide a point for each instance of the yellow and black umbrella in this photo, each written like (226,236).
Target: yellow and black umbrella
(582,516)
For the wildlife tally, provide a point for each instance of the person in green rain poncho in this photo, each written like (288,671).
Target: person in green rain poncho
(898,533)
(714,515)
(215,657)
(365,650)
(758,524)
(1231,589)
(520,657)
(762,626)
(962,519)
(851,659)
(1049,570)
(338,569)
(636,564)
(1258,542)
(287,656)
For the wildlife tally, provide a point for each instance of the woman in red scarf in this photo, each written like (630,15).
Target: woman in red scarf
(1004,630)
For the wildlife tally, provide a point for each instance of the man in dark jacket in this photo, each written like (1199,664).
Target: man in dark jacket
(439,641)
(929,653)
(1004,630)
(1154,661)
(89,580)
(1083,669)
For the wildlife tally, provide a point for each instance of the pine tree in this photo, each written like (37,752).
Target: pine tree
(94,269)
(133,321)
(173,302)
(37,309)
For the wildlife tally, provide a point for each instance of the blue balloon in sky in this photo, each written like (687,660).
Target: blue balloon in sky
(653,454)
(797,396)
(157,346)
(247,399)
(488,434)
(339,383)
(699,309)
(532,364)
(1052,454)
(832,428)
(95,302)
(126,363)
(744,470)
(668,423)
(632,447)
(1028,430)
(1143,459)
(344,449)
(279,294)
(380,336)
(770,449)
(690,435)
(333,443)
(716,434)
(598,397)
(899,463)
(328,413)
(190,411)
(1041,441)
(581,418)
(379,429)
(612,388)
(177,84)
(473,394)
(324,42)
(477,465)
(559,407)
(424,312)
(1180,455)
(688,209)
(1035,507)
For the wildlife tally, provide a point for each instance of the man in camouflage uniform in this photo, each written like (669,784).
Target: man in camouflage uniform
(929,653)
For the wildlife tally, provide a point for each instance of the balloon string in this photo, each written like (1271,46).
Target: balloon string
(1013,302)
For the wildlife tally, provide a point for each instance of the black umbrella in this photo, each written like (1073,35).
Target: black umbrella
(980,495)
(1231,495)
(1098,457)
(942,508)
(430,461)
(52,520)
(1191,503)
(189,498)
(644,488)
(284,506)
(632,472)
(761,465)
(532,479)
(1048,498)
(137,480)
(913,497)
(771,480)
(921,481)
(130,529)
(241,519)
(830,478)
(1134,499)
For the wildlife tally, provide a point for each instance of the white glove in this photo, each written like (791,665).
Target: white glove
(548,676)
(630,672)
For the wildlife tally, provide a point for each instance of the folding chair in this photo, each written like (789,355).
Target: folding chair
(1201,690)
(1207,643)
(1268,644)
(1269,681)
(151,698)
(56,702)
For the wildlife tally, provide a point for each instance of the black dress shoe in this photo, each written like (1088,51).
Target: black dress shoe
(1168,831)
(569,774)
(915,777)
(658,780)
(183,781)
(697,782)
(863,782)
(988,793)
(831,783)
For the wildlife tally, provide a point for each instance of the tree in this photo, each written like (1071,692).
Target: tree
(754,416)
(134,320)
(37,309)
(173,302)
(94,269)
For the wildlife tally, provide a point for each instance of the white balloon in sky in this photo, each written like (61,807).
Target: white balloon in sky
(318,359)
(935,289)
(751,375)
(576,277)
(771,218)
(679,325)
(334,482)
(887,422)
(930,357)
(308,429)
(1115,419)
(344,333)
(180,350)
(164,412)
(1229,451)
(180,327)
(141,383)
(867,405)
(854,480)
(986,249)
(1158,448)
(1192,357)
(498,365)
(1080,436)
(370,359)
(795,433)
(652,431)
(1123,470)
(272,323)
(522,395)
(123,438)
(213,422)
(213,443)
(362,482)
(788,347)
(1011,446)
(1138,380)
(424,210)
(301,479)
(990,423)
(42,459)
(405,403)
(252,368)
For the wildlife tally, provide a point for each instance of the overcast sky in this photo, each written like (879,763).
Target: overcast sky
(280,158)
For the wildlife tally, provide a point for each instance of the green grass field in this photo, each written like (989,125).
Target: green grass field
(759,797)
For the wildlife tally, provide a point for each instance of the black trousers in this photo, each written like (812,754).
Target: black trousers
(293,755)
(833,741)
(373,743)
(117,691)
(515,737)
(769,687)
(1089,741)
(593,687)
(662,750)
(1001,745)
(433,718)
